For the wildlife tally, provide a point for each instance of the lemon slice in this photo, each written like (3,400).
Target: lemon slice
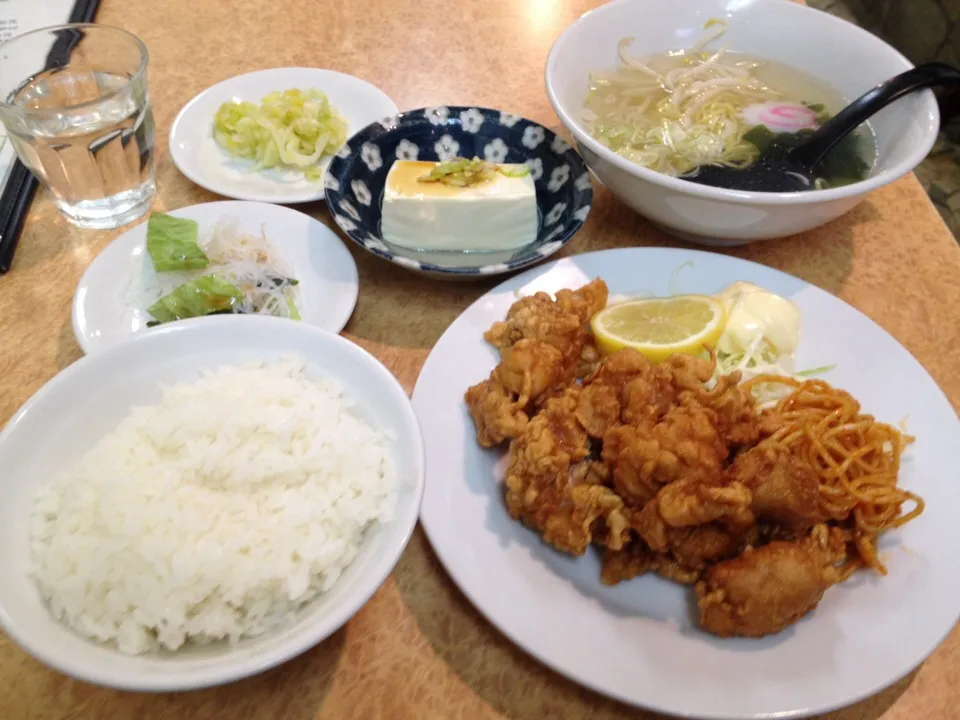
(660,327)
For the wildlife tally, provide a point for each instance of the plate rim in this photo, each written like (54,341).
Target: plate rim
(341,320)
(453,571)
(214,187)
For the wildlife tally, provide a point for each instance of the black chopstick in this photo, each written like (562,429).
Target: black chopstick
(21,184)
(14,206)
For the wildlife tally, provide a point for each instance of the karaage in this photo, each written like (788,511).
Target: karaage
(495,412)
(544,346)
(684,443)
(550,487)
(671,470)
(785,488)
(767,588)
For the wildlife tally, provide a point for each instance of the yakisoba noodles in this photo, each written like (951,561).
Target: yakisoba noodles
(856,458)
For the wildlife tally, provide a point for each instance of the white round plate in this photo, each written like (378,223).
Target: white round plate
(86,401)
(637,642)
(108,307)
(197,155)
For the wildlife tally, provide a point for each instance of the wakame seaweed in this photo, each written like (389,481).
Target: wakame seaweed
(843,165)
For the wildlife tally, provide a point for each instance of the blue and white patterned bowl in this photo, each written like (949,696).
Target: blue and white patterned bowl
(355,181)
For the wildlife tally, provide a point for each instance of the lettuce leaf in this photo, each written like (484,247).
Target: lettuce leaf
(172,243)
(205,295)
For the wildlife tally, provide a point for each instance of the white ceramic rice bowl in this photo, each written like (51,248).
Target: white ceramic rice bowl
(87,400)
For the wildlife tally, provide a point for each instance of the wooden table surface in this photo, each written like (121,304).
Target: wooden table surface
(418,649)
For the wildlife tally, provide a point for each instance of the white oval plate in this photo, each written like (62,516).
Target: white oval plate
(637,642)
(197,155)
(107,306)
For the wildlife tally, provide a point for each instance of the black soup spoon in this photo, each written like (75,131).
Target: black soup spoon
(789,167)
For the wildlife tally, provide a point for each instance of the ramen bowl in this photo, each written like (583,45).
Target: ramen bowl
(838,53)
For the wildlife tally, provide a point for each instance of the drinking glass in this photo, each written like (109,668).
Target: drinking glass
(74,102)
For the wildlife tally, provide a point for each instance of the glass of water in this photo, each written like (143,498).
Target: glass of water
(74,101)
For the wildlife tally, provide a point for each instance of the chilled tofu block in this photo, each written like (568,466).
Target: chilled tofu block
(497,214)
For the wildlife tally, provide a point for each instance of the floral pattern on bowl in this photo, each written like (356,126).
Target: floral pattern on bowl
(355,181)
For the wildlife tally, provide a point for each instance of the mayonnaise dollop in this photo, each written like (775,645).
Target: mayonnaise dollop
(758,319)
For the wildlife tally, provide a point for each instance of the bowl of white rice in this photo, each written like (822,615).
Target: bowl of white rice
(203,502)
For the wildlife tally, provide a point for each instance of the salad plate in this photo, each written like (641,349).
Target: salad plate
(111,300)
(198,156)
(638,641)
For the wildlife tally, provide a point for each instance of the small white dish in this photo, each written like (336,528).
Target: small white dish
(637,641)
(197,155)
(109,305)
(87,400)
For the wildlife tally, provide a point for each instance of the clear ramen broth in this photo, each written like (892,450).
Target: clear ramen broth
(678,111)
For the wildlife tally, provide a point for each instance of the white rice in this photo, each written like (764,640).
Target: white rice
(216,514)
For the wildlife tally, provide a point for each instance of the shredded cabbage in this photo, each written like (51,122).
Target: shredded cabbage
(675,276)
(293,129)
(761,361)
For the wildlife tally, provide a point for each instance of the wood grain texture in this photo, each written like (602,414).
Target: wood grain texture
(419,650)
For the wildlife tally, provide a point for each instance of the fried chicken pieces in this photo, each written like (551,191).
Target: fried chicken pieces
(663,470)
(543,344)
(551,484)
(772,586)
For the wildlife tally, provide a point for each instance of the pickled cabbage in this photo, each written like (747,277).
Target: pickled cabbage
(292,129)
